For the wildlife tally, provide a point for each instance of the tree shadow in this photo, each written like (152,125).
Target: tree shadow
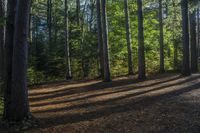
(94,87)
(107,101)
(130,105)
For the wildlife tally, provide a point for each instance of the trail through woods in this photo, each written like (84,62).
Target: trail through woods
(166,103)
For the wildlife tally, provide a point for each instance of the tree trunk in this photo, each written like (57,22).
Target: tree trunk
(100,39)
(67,54)
(18,106)
(198,31)
(162,69)
(107,77)
(185,27)
(50,24)
(11,5)
(2,43)
(193,41)
(141,54)
(174,39)
(128,38)
(78,11)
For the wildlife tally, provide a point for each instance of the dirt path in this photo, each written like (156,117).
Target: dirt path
(167,103)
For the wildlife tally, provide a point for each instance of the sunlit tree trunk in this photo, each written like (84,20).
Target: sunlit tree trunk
(162,69)
(105,43)
(128,38)
(67,53)
(193,49)
(141,53)
(185,39)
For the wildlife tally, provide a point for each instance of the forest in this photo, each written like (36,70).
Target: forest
(95,66)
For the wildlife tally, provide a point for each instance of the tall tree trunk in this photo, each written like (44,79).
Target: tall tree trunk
(128,38)
(198,31)
(174,39)
(162,69)
(18,106)
(78,11)
(100,38)
(193,41)
(67,54)
(107,77)
(185,27)
(10,28)
(50,24)
(2,43)
(141,54)
(91,15)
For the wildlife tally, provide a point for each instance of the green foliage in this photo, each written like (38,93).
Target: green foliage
(46,64)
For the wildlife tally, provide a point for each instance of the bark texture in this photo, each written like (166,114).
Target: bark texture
(16,105)
(105,43)
(193,42)
(67,53)
(162,69)
(128,38)
(2,43)
(185,39)
(100,38)
(141,54)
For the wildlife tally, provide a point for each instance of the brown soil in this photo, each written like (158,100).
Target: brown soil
(166,103)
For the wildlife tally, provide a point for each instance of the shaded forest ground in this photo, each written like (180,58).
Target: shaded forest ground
(165,103)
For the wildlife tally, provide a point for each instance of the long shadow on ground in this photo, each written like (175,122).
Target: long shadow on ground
(129,102)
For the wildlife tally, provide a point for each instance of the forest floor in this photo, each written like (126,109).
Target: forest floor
(166,103)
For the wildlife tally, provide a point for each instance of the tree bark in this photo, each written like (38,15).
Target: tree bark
(100,38)
(198,31)
(67,53)
(107,77)
(128,38)
(193,41)
(18,107)
(78,11)
(141,53)
(11,5)
(49,13)
(162,69)
(2,43)
(185,38)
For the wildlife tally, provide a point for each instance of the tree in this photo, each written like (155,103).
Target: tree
(141,55)
(198,31)
(185,38)
(162,69)
(49,21)
(100,39)
(128,38)
(16,96)
(105,43)
(78,11)
(67,53)
(193,49)
(11,5)
(2,41)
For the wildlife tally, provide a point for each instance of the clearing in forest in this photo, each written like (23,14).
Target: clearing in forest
(165,103)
